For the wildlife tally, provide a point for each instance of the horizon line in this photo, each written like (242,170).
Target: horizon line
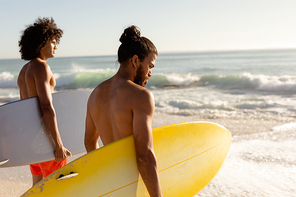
(176,52)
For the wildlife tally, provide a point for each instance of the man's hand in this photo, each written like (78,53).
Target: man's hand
(61,154)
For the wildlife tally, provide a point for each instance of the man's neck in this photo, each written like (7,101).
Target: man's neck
(126,72)
(41,59)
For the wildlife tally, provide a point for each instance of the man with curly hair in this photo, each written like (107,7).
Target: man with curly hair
(37,44)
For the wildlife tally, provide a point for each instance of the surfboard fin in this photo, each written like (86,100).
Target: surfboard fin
(4,161)
(62,177)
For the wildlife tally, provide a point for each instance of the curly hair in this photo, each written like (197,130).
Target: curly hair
(35,36)
(132,43)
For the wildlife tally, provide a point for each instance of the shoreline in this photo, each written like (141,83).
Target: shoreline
(240,126)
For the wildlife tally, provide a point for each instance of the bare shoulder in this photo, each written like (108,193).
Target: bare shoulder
(142,97)
(142,92)
(38,64)
(39,69)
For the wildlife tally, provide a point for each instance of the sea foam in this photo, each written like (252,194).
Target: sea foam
(7,80)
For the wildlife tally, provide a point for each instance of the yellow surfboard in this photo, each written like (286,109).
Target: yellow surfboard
(189,155)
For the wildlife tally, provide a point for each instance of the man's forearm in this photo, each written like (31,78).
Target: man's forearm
(90,146)
(49,116)
(148,170)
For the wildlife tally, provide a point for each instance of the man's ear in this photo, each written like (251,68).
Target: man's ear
(135,61)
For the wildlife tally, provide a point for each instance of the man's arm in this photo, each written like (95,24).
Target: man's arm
(42,82)
(142,123)
(91,136)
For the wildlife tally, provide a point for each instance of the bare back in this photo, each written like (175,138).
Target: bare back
(112,106)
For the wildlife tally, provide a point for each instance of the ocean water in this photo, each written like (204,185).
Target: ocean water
(227,83)
(255,88)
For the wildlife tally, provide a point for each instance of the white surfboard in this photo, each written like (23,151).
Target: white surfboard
(24,138)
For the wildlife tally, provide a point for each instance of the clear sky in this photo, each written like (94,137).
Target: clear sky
(93,27)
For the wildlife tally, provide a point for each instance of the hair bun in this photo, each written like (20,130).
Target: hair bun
(130,34)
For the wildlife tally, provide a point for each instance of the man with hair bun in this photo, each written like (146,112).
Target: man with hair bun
(121,106)
(38,43)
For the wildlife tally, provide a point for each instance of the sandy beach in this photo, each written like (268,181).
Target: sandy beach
(15,181)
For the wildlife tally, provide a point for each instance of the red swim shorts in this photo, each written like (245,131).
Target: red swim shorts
(46,168)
